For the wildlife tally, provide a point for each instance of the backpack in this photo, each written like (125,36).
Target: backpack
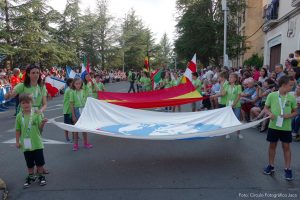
(133,76)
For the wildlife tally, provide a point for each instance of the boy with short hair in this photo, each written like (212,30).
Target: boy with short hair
(281,106)
(29,126)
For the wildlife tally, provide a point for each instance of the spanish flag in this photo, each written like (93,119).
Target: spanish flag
(146,64)
(181,94)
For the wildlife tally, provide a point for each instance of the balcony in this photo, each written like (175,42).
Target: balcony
(295,3)
(270,16)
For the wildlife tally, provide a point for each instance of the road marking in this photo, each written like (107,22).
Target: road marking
(45,141)
(52,109)
(10,130)
(57,105)
(52,119)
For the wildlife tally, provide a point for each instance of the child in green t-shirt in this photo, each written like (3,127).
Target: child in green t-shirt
(281,106)
(77,102)
(66,107)
(233,92)
(198,86)
(222,96)
(29,126)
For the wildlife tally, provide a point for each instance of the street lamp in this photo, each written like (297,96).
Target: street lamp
(225,56)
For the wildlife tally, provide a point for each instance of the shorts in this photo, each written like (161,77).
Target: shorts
(237,112)
(247,107)
(34,158)
(68,119)
(275,135)
(77,112)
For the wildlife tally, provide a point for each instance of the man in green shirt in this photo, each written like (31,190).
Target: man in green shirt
(281,106)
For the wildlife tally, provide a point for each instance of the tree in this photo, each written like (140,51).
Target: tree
(200,30)
(254,60)
(136,40)
(106,35)
(70,32)
(163,50)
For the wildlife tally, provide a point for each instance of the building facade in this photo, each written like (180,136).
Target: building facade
(249,25)
(282,30)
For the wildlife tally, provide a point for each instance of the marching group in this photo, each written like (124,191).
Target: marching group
(253,93)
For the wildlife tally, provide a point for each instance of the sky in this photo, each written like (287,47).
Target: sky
(158,15)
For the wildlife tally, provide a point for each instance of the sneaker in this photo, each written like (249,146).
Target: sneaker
(297,139)
(29,179)
(75,147)
(269,170)
(88,146)
(227,136)
(240,136)
(288,174)
(42,180)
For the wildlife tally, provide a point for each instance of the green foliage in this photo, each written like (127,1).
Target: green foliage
(135,41)
(33,32)
(254,60)
(200,30)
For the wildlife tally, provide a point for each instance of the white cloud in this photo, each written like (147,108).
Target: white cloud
(158,15)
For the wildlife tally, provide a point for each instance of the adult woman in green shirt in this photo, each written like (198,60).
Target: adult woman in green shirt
(33,85)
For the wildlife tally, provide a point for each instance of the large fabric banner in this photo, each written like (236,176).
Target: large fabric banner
(181,94)
(103,118)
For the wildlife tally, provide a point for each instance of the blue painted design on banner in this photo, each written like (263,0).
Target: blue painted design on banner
(144,129)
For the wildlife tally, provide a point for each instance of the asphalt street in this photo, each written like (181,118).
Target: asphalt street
(125,169)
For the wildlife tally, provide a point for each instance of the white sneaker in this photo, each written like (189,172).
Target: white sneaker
(227,136)
(240,136)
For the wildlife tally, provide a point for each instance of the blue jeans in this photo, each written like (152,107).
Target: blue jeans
(296,124)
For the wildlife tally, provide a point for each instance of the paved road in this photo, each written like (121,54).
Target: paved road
(134,169)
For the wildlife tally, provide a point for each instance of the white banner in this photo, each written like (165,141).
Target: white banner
(112,120)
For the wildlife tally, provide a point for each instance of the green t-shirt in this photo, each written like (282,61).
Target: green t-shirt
(232,94)
(78,98)
(88,90)
(273,103)
(34,132)
(176,82)
(37,93)
(129,77)
(66,107)
(146,82)
(223,99)
(98,87)
(197,84)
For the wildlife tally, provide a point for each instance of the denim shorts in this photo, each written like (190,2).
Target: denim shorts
(237,112)
(77,112)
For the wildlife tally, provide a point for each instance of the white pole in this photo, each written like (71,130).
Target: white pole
(225,32)
(123,60)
